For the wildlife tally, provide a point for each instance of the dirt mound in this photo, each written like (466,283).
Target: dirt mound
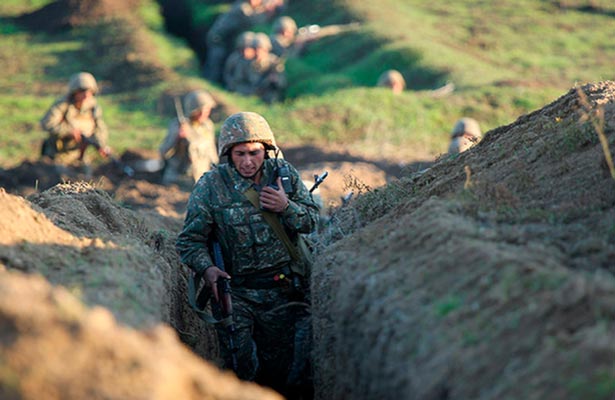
(489,275)
(62,14)
(52,345)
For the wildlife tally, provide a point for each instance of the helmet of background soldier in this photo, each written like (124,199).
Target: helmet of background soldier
(245,127)
(284,23)
(388,78)
(246,39)
(196,99)
(82,81)
(466,126)
(262,41)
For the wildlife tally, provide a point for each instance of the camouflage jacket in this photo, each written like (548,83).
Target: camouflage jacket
(235,73)
(199,147)
(62,117)
(217,208)
(240,18)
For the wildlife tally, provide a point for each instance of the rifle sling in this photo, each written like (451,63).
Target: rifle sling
(277,227)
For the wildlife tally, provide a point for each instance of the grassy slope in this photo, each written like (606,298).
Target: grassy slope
(505,60)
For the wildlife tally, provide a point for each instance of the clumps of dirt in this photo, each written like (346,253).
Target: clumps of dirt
(65,14)
(53,346)
(488,275)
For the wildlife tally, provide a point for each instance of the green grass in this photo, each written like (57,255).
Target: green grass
(505,59)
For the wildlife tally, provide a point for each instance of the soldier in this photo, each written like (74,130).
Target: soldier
(190,145)
(284,32)
(392,79)
(222,35)
(266,73)
(75,121)
(237,64)
(238,205)
(466,133)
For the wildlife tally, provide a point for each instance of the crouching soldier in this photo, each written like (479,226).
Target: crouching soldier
(466,133)
(75,121)
(190,144)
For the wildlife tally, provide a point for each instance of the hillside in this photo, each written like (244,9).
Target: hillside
(484,275)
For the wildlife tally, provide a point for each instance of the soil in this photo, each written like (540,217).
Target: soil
(485,275)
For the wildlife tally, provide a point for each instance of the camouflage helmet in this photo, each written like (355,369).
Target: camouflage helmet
(284,23)
(82,81)
(262,41)
(246,39)
(244,127)
(197,99)
(466,125)
(388,78)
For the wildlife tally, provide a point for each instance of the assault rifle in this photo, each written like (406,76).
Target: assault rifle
(91,141)
(318,180)
(311,33)
(225,302)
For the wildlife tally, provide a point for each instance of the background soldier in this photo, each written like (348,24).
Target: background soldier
(228,205)
(392,79)
(190,145)
(237,64)
(466,133)
(283,34)
(221,37)
(75,121)
(266,73)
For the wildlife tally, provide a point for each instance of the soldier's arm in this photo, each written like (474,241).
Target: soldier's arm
(192,241)
(54,120)
(101,133)
(302,213)
(169,141)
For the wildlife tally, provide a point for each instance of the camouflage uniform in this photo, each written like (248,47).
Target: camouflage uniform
(264,313)
(197,151)
(281,43)
(63,117)
(465,134)
(238,63)
(221,36)
(266,73)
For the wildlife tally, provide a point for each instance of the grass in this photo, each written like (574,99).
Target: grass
(505,59)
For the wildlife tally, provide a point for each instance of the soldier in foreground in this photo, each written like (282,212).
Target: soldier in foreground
(75,122)
(466,133)
(392,79)
(190,143)
(243,205)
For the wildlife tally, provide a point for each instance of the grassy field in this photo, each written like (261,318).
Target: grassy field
(505,60)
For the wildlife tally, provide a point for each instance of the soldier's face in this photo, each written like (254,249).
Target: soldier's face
(248,158)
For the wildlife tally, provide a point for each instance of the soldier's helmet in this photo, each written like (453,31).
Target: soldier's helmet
(82,81)
(245,127)
(246,39)
(284,23)
(390,77)
(196,99)
(466,126)
(262,41)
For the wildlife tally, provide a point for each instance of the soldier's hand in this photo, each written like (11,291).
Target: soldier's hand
(183,131)
(76,135)
(104,151)
(272,199)
(212,274)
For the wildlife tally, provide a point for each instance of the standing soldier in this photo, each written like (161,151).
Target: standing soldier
(266,73)
(221,37)
(75,121)
(392,79)
(243,205)
(237,64)
(466,133)
(190,145)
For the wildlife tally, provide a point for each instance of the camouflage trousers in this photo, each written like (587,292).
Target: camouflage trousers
(272,338)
